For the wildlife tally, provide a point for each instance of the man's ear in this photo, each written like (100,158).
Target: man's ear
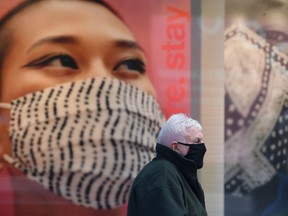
(174,146)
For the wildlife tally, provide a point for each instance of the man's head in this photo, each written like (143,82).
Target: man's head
(180,128)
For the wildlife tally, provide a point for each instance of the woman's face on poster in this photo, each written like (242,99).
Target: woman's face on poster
(57,41)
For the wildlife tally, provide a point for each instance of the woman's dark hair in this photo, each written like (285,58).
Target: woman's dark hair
(5,36)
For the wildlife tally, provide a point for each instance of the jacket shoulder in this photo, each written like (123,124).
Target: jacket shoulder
(158,173)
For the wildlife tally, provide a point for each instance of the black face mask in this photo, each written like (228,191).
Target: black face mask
(196,153)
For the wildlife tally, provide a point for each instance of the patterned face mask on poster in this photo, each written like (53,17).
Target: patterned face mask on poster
(86,140)
(256,106)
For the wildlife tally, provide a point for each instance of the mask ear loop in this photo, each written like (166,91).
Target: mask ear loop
(6,157)
(5,106)
(12,161)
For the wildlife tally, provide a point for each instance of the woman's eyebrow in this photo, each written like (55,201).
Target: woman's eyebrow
(72,40)
(54,40)
(128,44)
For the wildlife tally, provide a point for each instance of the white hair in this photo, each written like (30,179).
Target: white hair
(175,127)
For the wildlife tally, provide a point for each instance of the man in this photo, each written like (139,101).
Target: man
(168,185)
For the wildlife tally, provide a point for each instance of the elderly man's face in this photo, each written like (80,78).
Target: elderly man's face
(194,136)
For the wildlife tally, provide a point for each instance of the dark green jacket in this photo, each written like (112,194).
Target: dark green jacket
(167,186)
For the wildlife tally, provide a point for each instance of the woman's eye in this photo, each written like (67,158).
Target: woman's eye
(276,38)
(273,36)
(61,60)
(131,65)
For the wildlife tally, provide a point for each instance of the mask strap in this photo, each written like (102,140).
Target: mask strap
(11,161)
(5,106)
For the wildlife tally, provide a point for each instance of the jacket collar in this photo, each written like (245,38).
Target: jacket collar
(182,163)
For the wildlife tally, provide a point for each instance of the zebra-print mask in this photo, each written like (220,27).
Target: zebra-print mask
(86,140)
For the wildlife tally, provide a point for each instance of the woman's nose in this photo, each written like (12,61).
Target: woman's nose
(98,69)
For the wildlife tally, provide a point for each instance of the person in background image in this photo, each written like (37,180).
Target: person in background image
(168,185)
(79,115)
(256,107)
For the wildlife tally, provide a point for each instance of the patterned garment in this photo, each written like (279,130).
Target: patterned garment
(85,140)
(256,111)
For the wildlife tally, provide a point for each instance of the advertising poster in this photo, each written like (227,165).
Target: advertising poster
(256,107)
(163,34)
